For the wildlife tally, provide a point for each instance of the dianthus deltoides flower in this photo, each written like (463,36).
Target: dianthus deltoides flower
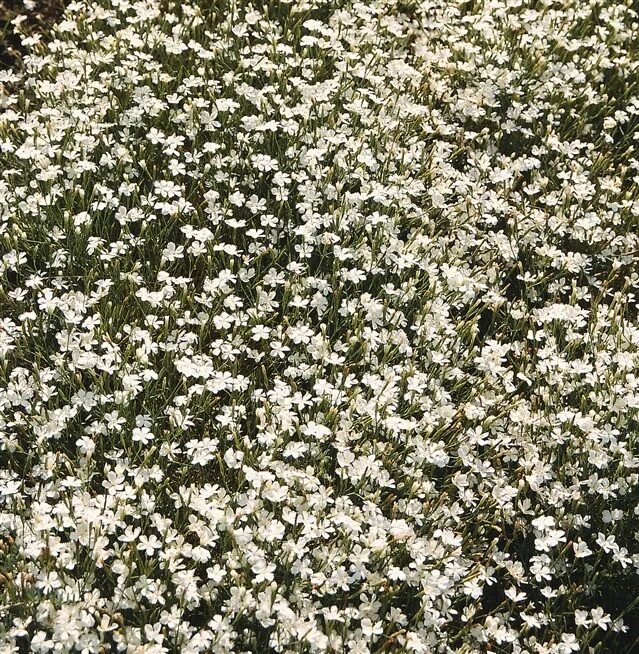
(318,328)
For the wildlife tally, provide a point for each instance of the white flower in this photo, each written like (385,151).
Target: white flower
(600,618)
(149,544)
(10,487)
(581,618)
(142,435)
(581,549)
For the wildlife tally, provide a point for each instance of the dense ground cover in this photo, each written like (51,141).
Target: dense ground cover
(32,17)
(319,328)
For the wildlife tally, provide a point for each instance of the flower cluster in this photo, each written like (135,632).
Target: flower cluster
(319,328)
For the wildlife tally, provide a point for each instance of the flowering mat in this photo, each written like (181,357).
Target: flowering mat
(319,328)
